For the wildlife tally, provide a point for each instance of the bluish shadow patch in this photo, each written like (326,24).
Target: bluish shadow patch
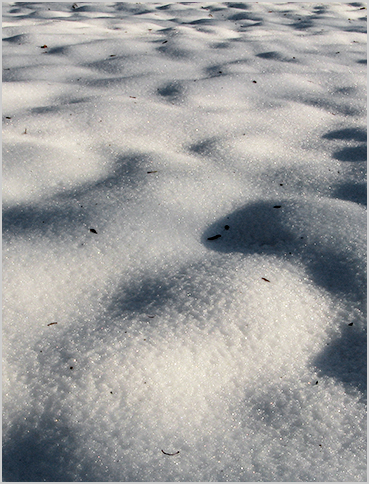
(128,171)
(205,147)
(113,65)
(61,50)
(239,5)
(320,9)
(172,91)
(353,192)
(345,358)
(63,213)
(247,26)
(145,296)
(173,51)
(107,82)
(220,45)
(352,154)
(202,21)
(131,8)
(215,71)
(256,228)
(17,39)
(46,109)
(336,273)
(334,106)
(47,453)
(14,74)
(346,91)
(52,221)
(260,228)
(244,16)
(164,7)
(303,24)
(361,29)
(355,134)
(274,56)
(60,104)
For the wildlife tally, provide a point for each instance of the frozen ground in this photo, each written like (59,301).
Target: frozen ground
(160,126)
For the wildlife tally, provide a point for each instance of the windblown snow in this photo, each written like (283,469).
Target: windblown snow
(184,241)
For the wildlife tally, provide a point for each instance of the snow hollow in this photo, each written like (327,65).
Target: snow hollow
(184,241)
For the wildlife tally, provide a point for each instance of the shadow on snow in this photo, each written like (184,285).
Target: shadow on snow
(261,228)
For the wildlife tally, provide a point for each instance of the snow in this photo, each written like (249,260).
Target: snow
(161,126)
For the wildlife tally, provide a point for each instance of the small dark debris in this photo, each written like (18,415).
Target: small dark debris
(254,82)
(113,55)
(350,324)
(220,72)
(111,393)
(316,382)
(165,41)
(133,97)
(226,227)
(71,367)
(154,171)
(8,117)
(166,453)
(25,131)
(277,206)
(44,46)
(93,231)
(214,237)
(281,184)
(337,52)
(267,280)
(50,324)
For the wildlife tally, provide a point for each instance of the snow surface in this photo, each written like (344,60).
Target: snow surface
(160,126)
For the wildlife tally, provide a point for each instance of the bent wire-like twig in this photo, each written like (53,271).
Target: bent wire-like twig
(166,453)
